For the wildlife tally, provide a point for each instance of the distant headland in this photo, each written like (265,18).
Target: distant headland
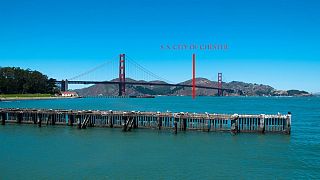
(27,84)
(244,89)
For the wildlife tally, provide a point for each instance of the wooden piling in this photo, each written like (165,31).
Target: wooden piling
(234,124)
(39,120)
(135,122)
(78,117)
(3,118)
(261,123)
(110,118)
(34,118)
(184,124)
(288,123)
(19,117)
(159,119)
(50,117)
(125,125)
(176,125)
(54,119)
(85,121)
(70,120)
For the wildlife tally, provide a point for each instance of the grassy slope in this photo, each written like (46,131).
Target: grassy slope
(24,95)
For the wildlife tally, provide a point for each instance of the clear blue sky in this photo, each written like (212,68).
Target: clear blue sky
(271,42)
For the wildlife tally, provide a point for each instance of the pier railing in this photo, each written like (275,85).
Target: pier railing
(128,120)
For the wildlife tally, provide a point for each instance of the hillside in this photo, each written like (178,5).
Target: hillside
(243,89)
(316,94)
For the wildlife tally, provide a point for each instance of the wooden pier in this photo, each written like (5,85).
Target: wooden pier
(128,120)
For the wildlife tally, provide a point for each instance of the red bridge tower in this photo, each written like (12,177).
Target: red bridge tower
(122,75)
(193,76)
(220,92)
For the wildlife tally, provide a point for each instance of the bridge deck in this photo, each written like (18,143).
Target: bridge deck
(154,120)
(144,84)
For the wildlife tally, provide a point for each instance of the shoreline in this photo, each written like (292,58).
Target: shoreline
(52,98)
(34,98)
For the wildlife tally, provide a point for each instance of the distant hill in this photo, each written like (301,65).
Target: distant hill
(243,89)
(316,94)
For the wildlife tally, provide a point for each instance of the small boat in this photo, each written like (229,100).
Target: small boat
(142,96)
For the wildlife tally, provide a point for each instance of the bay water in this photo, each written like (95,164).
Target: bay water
(61,152)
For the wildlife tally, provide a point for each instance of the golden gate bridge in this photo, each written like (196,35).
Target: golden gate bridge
(122,78)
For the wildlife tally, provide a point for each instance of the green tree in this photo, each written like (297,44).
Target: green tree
(14,80)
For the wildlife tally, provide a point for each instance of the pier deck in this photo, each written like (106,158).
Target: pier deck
(128,120)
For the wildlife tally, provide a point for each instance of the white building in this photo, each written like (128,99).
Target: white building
(69,94)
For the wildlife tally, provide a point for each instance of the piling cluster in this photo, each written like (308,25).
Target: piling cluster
(128,120)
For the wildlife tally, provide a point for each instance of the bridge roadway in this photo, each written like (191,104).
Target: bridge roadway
(146,84)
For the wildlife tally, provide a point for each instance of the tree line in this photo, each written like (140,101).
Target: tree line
(14,80)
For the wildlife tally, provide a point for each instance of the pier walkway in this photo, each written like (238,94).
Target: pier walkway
(128,120)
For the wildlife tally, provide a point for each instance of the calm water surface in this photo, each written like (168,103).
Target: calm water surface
(27,151)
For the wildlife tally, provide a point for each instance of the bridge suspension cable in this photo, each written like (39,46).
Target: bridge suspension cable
(91,70)
(143,69)
(137,70)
